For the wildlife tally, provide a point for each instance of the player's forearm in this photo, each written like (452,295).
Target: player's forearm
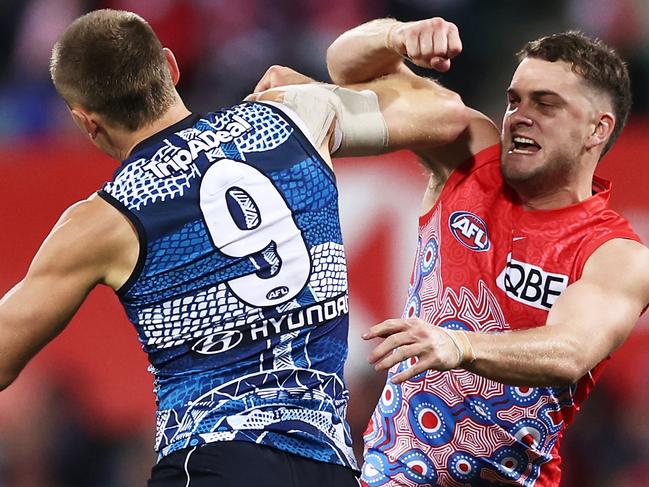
(536,357)
(590,319)
(362,54)
(16,347)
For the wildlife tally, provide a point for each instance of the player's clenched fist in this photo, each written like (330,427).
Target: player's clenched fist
(434,347)
(430,43)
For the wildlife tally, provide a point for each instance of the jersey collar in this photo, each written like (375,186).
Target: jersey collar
(189,121)
(597,202)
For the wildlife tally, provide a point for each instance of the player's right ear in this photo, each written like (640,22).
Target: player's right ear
(84,122)
(172,64)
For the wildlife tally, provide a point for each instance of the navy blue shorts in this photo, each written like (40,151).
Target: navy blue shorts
(240,463)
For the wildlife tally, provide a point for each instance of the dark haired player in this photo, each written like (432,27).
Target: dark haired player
(524,280)
(220,234)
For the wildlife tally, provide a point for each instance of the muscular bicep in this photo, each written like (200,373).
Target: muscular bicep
(600,309)
(83,249)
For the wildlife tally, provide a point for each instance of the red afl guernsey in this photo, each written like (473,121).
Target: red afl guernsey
(485,264)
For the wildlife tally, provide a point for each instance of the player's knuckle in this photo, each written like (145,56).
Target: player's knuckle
(411,36)
(437,22)
(392,323)
(411,322)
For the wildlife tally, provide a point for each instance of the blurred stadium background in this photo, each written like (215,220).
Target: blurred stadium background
(81,414)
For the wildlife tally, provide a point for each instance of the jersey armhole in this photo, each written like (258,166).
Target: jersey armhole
(466,169)
(141,234)
(474,163)
(306,137)
(295,118)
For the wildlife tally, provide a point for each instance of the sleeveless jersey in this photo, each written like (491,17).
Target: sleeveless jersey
(484,264)
(239,296)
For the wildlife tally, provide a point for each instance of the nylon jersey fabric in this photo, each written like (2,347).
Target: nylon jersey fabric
(239,297)
(485,264)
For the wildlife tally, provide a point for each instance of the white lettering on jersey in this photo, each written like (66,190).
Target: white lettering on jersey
(181,160)
(531,285)
(318,313)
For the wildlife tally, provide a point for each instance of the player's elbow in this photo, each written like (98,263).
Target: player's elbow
(334,66)
(457,117)
(578,355)
(570,368)
(342,62)
(427,119)
(443,119)
(566,374)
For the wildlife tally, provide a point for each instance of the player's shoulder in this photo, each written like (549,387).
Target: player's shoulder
(477,145)
(89,215)
(623,250)
(92,236)
(91,228)
(621,260)
(483,132)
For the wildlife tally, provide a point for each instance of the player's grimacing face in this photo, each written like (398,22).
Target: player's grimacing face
(548,118)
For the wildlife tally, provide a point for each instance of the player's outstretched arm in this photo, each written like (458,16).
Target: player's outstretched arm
(414,113)
(91,244)
(590,319)
(379,47)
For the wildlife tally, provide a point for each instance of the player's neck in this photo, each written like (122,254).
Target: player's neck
(557,186)
(175,114)
(539,198)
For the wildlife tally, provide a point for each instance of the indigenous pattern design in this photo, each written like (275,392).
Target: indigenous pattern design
(484,264)
(240,294)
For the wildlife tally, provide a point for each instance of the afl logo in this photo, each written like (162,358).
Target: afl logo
(276,293)
(469,230)
(218,342)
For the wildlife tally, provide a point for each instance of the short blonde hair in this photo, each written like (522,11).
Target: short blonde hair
(111,62)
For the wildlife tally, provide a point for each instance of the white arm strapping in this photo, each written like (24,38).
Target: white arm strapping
(360,127)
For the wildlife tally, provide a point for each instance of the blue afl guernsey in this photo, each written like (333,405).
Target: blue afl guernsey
(239,296)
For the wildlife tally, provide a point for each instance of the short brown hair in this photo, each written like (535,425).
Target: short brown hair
(111,62)
(598,64)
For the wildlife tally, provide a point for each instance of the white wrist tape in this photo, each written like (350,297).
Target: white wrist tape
(360,126)
(463,345)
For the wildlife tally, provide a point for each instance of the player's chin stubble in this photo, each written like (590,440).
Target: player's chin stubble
(539,178)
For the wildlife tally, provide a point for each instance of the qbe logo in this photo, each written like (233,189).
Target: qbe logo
(531,285)
(469,230)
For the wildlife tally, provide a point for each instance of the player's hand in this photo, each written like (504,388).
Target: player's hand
(280,76)
(408,338)
(430,43)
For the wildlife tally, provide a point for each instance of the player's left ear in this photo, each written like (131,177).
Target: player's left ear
(85,122)
(172,64)
(601,131)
